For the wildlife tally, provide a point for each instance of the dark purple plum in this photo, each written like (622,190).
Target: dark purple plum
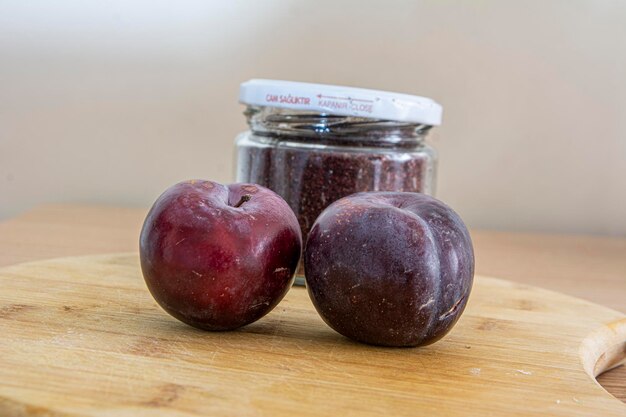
(219,257)
(389,268)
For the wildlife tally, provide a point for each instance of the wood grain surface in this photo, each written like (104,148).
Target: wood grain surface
(589,267)
(83,337)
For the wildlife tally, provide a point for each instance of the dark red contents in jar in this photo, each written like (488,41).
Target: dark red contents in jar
(311,178)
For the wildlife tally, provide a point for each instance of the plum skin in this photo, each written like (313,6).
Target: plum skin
(389,268)
(219,257)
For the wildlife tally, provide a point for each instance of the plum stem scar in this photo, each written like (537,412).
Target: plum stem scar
(243,199)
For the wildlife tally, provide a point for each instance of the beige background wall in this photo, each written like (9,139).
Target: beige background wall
(111,102)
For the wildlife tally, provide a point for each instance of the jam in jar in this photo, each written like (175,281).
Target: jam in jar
(314,144)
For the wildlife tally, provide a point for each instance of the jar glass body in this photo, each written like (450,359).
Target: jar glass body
(312,159)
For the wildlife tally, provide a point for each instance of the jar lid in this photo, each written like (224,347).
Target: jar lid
(343,101)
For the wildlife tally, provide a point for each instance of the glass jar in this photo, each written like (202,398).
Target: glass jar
(314,155)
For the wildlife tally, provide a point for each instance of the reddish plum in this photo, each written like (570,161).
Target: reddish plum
(219,257)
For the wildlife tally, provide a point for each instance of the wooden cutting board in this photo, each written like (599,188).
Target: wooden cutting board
(83,337)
